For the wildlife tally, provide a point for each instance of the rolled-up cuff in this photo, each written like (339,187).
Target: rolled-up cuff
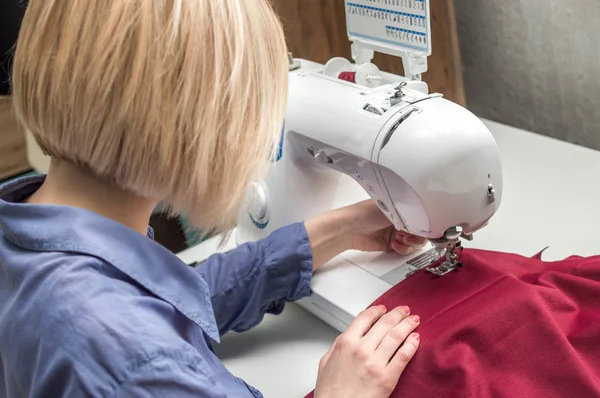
(289,265)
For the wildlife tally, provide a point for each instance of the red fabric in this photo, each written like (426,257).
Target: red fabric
(504,326)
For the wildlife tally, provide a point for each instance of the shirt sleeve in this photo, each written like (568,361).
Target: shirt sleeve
(165,377)
(259,277)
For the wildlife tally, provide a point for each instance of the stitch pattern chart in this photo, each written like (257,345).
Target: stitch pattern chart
(400,23)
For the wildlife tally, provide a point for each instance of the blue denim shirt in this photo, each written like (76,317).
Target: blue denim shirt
(91,308)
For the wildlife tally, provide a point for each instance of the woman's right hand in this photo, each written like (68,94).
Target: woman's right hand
(368,358)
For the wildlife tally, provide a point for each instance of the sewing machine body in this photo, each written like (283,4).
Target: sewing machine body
(429,164)
(417,158)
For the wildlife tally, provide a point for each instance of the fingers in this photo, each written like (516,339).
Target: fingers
(404,355)
(364,321)
(395,338)
(404,243)
(383,326)
(410,240)
(401,248)
(375,349)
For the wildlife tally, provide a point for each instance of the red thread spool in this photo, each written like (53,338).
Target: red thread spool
(348,76)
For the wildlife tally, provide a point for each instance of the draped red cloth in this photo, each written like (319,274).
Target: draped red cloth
(504,326)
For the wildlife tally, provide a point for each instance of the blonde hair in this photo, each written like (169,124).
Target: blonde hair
(177,100)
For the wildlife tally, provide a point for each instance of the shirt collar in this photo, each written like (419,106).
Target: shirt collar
(75,230)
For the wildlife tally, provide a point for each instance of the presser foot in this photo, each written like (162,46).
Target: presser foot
(451,263)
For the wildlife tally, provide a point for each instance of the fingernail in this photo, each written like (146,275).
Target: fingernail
(416,336)
(405,309)
(415,318)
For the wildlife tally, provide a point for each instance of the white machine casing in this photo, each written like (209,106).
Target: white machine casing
(428,163)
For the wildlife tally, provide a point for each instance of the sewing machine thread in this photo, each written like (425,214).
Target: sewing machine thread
(348,76)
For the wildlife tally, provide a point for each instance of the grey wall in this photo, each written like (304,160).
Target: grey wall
(534,64)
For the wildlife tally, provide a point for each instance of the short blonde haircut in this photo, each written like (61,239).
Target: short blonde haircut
(178,100)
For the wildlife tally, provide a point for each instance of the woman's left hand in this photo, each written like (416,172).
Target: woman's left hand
(372,231)
(361,226)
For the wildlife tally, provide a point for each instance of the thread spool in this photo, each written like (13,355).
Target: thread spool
(348,76)
(366,75)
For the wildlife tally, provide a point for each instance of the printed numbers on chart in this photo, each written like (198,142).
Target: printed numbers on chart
(409,4)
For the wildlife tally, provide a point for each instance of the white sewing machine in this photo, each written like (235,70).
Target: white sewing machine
(353,132)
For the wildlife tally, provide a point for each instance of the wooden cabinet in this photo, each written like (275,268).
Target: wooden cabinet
(316,30)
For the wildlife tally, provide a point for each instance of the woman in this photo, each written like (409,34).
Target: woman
(174,101)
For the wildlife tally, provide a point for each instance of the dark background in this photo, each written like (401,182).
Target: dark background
(11,14)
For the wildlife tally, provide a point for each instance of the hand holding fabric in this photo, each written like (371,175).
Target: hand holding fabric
(361,226)
(368,359)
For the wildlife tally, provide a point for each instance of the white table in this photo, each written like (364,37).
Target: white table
(551,198)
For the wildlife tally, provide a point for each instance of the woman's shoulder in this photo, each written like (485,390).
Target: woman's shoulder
(80,312)
(79,295)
